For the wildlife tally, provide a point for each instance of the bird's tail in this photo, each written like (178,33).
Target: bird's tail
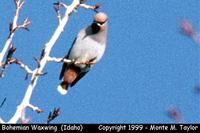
(63,88)
(70,76)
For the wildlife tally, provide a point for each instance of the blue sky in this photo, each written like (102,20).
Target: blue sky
(148,65)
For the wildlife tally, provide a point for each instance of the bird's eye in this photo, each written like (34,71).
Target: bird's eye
(100,23)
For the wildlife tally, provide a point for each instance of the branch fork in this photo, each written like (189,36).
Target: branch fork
(36,73)
(13,27)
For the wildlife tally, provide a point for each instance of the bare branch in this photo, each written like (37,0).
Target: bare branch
(12,28)
(2,103)
(57,7)
(44,58)
(95,7)
(37,61)
(9,55)
(60,60)
(34,108)
(47,49)
(64,5)
(188,29)
(10,60)
(53,115)
(19,3)
(21,64)
(175,114)
(10,52)
(24,25)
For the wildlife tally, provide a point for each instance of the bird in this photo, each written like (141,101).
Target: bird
(87,48)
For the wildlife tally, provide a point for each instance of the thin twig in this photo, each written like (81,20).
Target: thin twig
(53,115)
(188,30)
(13,27)
(11,60)
(2,103)
(35,108)
(21,64)
(61,60)
(21,109)
(95,7)
(175,114)
(43,61)
(57,7)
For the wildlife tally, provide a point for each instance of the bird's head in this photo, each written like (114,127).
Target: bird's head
(100,22)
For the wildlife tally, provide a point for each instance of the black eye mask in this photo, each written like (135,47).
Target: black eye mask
(96,26)
(100,23)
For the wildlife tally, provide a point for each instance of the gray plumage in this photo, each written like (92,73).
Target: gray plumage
(89,46)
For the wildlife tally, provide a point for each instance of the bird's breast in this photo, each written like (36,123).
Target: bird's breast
(86,49)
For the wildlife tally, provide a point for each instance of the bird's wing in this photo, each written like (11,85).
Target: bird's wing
(82,74)
(78,78)
(66,65)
